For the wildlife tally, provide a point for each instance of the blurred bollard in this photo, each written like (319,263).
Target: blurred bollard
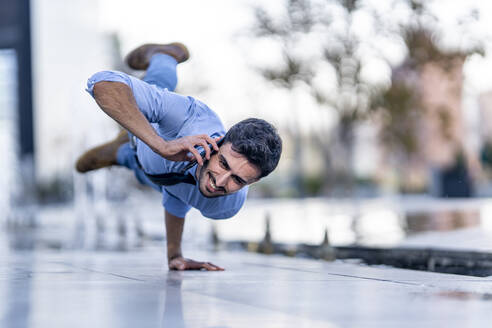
(22,219)
(139,233)
(431,264)
(122,231)
(122,234)
(79,233)
(13,221)
(266,246)
(100,226)
(325,251)
(100,232)
(215,238)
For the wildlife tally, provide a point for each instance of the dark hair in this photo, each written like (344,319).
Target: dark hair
(258,141)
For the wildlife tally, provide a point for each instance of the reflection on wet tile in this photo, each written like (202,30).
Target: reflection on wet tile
(134,289)
(465,296)
(442,220)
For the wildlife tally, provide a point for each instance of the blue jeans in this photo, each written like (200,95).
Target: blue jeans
(162,73)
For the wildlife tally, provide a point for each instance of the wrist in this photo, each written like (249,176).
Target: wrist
(158,145)
(173,252)
(175,256)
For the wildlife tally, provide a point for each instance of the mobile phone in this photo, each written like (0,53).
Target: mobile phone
(202,153)
(212,150)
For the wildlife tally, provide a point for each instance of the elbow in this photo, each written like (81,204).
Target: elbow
(104,78)
(101,89)
(112,95)
(102,92)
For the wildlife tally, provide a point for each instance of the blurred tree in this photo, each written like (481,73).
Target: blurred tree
(332,24)
(350,95)
(294,70)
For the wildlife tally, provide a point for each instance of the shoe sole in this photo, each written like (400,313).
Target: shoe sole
(137,59)
(100,156)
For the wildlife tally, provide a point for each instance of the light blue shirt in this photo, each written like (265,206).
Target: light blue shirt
(174,116)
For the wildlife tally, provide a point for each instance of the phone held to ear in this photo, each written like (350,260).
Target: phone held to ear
(202,153)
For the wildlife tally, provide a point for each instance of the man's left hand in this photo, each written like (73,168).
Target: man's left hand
(181,264)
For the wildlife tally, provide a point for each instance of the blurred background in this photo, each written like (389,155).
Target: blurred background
(385,109)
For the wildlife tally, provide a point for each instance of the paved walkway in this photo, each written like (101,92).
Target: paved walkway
(134,289)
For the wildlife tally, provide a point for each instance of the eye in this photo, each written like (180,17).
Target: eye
(223,163)
(238,180)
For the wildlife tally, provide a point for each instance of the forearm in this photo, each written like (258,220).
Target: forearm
(176,261)
(174,232)
(116,99)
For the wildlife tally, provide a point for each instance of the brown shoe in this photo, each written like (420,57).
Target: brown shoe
(101,156)
(139,58)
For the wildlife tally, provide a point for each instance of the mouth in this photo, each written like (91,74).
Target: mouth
(211,186)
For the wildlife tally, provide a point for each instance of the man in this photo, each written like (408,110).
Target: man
(167,132)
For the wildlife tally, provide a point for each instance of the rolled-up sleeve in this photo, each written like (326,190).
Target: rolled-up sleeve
(108,76)
(168,109)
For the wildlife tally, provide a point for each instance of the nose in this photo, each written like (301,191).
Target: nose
(221,180)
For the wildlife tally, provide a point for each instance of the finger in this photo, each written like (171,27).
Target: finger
(216,266)
(182,264)
(195,153)
(206,148)
(209,267)
(192,265)
(212,267)
(212,142)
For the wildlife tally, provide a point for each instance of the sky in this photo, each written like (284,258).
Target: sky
(211,34)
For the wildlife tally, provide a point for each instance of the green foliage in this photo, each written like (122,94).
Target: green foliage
(422,44)
(287,76)
(299,19)
(313,184)
(398,115)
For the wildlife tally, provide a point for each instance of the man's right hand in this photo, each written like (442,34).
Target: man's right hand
(181,264)
(183,149)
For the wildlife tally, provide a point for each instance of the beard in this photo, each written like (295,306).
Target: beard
(201,177)
(202,171)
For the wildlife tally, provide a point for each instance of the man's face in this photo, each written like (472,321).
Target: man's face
(226,172)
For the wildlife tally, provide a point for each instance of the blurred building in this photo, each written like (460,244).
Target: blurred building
(48,49)
(16,114)
(68,47)
(440,125)
(8,127)
(441,128)
(485,105)
(442,161)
